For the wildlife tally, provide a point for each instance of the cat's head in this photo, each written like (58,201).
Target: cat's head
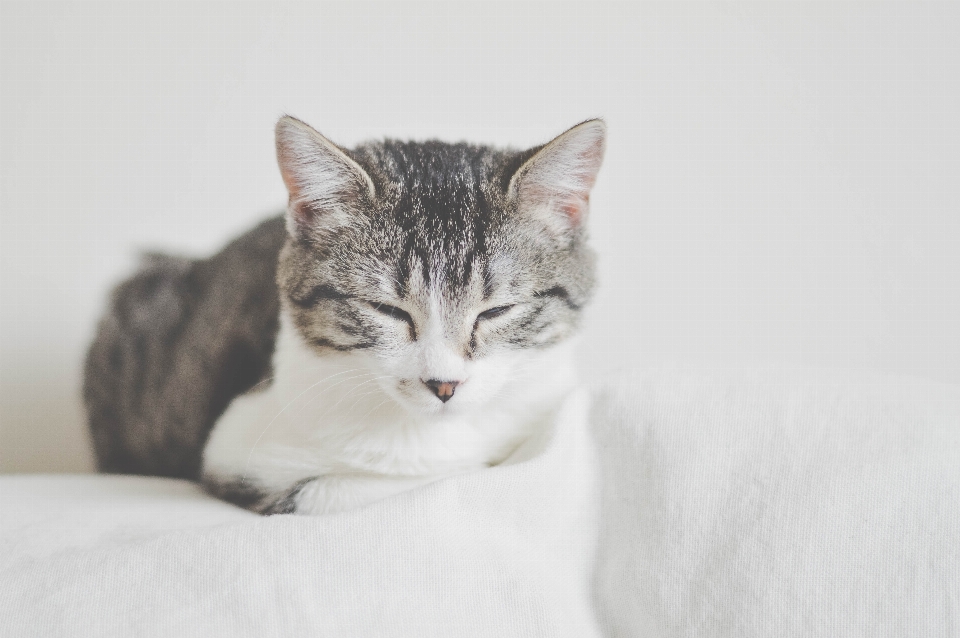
(442,268)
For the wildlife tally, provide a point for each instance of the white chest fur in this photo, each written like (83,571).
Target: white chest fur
(332,418)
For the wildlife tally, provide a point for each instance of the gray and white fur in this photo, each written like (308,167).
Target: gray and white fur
(409,318)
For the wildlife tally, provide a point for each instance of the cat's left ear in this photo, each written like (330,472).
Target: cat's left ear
(326,186)
(555,183)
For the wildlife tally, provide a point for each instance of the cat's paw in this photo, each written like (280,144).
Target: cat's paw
(342,492)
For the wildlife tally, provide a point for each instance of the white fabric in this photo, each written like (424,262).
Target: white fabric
(771,508)
(717,508)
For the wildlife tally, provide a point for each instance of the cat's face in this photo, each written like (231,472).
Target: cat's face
(442,269)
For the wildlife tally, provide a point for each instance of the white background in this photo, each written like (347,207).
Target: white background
(781,185)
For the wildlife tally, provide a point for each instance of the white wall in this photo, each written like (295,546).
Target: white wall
(781,186)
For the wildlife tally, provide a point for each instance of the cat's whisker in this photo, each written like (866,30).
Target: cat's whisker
(273,420)
(373,409)
(386,376)
(360,398)
(268,380)
(321,391)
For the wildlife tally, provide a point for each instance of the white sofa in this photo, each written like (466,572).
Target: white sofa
(665,504)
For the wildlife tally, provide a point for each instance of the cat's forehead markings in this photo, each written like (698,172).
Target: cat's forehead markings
(439,205)
(414,282)
(435,313)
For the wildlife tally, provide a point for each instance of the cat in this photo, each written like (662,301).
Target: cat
(411,316)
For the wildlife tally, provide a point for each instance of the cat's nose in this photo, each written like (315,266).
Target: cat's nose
(443,389)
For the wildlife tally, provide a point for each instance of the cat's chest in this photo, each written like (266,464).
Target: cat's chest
(333,418)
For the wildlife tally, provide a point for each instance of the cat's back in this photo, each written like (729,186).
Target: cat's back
(180,339)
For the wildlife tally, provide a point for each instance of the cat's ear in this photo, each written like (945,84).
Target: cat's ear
(326,187)
(554,184)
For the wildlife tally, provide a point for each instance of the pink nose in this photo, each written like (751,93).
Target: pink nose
(443,389)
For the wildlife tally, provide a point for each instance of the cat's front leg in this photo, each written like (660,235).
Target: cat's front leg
(339,492)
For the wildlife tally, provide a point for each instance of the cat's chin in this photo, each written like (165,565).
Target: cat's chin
(433,410)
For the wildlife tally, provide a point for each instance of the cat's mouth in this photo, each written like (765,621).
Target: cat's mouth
(436,397)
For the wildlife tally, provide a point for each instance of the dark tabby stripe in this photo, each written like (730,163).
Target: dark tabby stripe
(316,295)
(238,491)
(287,503)
(561,293)
(244,493)
(321,342)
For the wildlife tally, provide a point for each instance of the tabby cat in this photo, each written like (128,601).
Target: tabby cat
(409,318)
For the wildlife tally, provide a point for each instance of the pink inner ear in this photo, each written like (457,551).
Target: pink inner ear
(304,214)
(561,175)
(289,178)
(573,208)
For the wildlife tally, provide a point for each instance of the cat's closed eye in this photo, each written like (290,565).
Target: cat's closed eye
(396,313)
(494,312)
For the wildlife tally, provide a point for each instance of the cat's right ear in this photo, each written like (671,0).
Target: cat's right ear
(554,184)
(326,187)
